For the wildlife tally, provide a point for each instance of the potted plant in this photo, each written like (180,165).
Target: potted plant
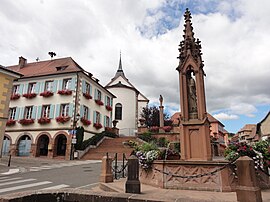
(10,122)
(87,96)
(85,121)
(29,95)
(62,119)
(26,121)
(108,107)
(97,125)
(167,128)
(46,94)
(44,120)
(15,96)
(154,129)
(99,102)
(65,92)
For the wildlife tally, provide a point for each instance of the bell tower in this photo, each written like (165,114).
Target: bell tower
(194,127)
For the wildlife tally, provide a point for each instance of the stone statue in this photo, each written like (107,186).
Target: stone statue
(160,100)
(192,97)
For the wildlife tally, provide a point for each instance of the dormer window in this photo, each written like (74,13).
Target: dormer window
(61,68)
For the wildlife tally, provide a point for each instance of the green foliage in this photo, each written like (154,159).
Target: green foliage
(151,116)
(147,137)
(162,142)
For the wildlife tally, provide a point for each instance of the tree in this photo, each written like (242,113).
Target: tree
(151,116)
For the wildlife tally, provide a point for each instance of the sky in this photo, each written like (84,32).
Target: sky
(235,37)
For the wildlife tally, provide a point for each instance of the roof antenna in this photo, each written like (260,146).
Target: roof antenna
(52,54)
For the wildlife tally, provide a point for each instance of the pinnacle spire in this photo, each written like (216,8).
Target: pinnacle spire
(120,64)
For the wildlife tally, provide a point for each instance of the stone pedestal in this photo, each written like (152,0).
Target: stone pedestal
(248,189)
(106,170)
(133,184)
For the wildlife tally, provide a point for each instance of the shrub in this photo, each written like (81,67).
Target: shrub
(147,137)
(162,142)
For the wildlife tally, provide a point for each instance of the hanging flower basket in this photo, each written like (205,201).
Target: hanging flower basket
(46,94)
(167,128)
(10,122)
(87,96)
(26,121)
(99,102)
(85,121)
(62,119)
(109,108)
(15,96)
(97,125)
(64,92)
(29,95)
(44,120)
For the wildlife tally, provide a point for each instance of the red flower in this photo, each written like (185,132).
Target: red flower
(108,107)
(62,119)
(46,94)
(44,120)
(87,96)
(154,129)
(29,95)
(15,96)
(97,125)
(99,102)
(167,128)
(85,121)
(64,92)
(26,121)
(10,122)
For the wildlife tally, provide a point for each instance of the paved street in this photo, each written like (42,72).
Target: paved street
(30,174)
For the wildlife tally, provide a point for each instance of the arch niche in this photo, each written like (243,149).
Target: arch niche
(60,145)
(24,145)
(42,145)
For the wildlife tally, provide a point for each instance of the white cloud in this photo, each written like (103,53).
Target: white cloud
(223,116)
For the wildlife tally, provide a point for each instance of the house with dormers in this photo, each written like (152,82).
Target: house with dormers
(128,103)
(49,102)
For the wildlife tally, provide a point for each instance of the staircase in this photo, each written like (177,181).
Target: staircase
(111,146)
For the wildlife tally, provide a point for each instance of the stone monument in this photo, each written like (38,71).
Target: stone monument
(194,127)
(161,114)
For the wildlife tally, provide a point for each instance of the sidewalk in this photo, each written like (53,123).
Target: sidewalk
(158,194)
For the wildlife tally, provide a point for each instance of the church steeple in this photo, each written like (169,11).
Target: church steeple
(189,46)
(120,71)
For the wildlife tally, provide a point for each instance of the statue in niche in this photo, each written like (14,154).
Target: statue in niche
(192,97)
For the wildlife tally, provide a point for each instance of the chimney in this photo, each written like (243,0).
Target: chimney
(22,62)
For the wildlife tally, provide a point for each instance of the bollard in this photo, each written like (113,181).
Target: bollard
(133,183)
(9,160)
(248,189)
(106,170)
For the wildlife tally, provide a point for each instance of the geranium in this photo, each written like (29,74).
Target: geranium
(97,125)
(108,107)
(65,92)
(15,96)
(85,121)
(87,96)
(154,129)
(26,121)
(29,95)
(62,119)
(44,120)
(99,102)
(46,94)
(10,122)
(167,128)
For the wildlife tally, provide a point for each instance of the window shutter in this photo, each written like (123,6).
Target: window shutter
(94,121)
(17,113)
(81,110)
(90,89)
(21,89)
(42,86)
(37,88)
(25,88)
(22,113)
(105,101)
(70,113)
(83,86)
(34,109)
(73,83)
(88,116)
(100,118)
(96,94)
(51,111)
(57,110)
(60,85)
(104,121)
(39,109)
(55,82)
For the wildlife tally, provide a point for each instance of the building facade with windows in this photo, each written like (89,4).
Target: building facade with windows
(49,102)
(128,103)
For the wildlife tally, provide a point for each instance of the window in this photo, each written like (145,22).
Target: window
(11,113)
(87,88)
(85,112)
(31,88)
(66,84)
(64,110)
(48,86)
(61,68)
(28,112)
(108,101)
(45,111)
(107,121)
(98,95)
(97,118)
(118,111)
(15,89)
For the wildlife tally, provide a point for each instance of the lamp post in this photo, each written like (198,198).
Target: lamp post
(73,137)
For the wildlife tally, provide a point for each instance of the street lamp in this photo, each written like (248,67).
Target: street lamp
(74,132)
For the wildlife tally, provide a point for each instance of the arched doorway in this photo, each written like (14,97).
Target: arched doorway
(6,146)
(61,144)
(42,145)
(24,146)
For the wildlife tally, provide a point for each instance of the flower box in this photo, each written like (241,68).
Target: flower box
(10,122)
(26,121)
(62,119)
(29,95)
(87,96)
(109,108)
(109,129)
(97,125)
(65,92)
(85,121)
(154,129)
(44,120)
(46,94)
(167,128)
(15,96)
(99,102)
